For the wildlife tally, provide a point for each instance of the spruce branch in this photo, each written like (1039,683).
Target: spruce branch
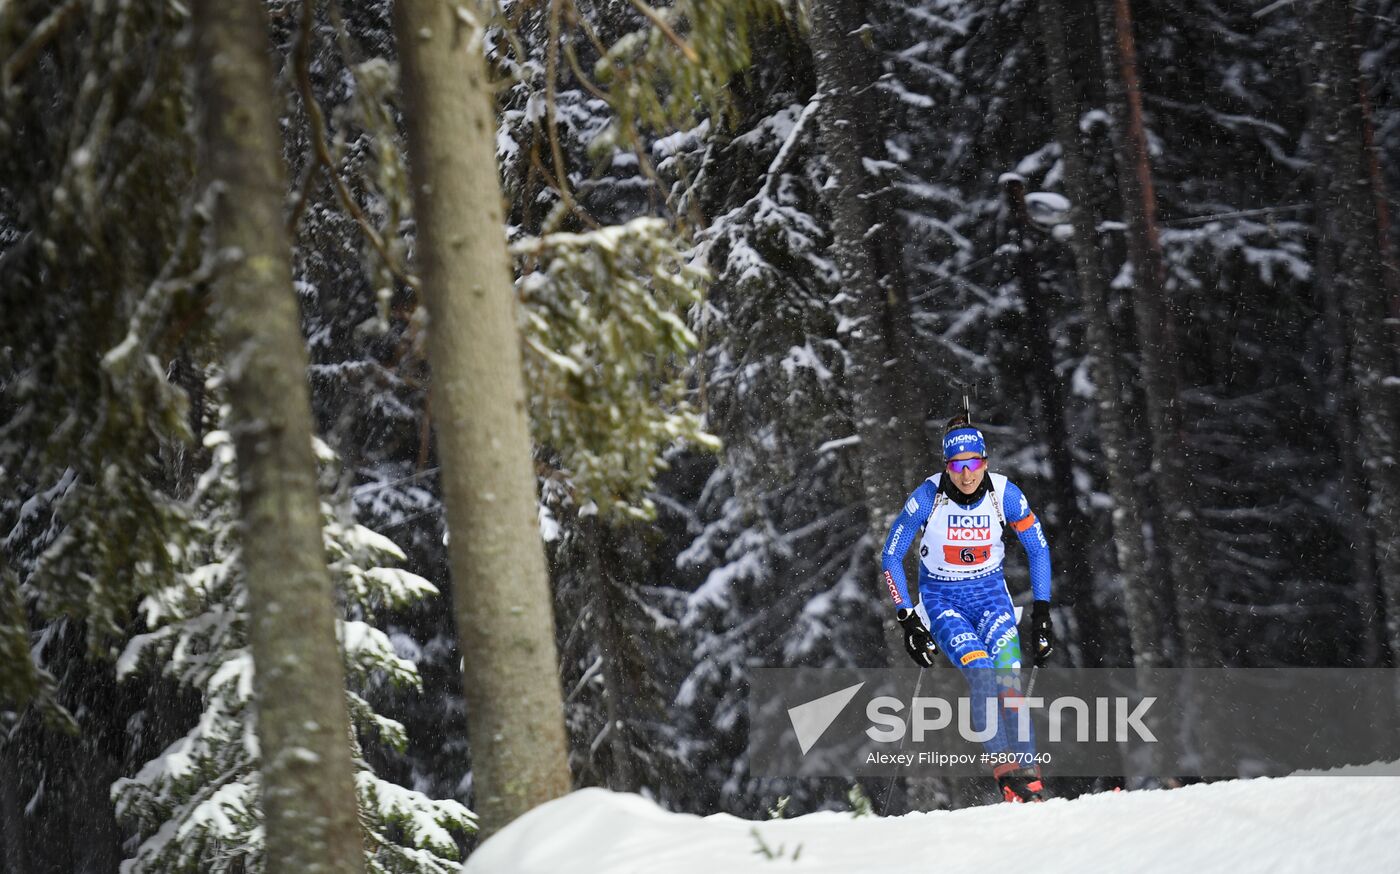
(316,123)
(561,173)
(662,25)
(45,31)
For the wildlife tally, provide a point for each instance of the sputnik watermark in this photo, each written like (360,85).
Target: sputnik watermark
(811,720)
(843,722)
(1116,720)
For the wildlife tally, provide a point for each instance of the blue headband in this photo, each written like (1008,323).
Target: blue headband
(964,439)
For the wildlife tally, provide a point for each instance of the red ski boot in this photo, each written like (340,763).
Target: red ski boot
(1020,785)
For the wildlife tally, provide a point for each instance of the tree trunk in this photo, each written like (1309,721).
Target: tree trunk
(1340,407)
(1353,222)
(1390,268)
(1074,588)
(877,337)
(505,615)
(90,813)
(1351,487)
(1144,623)
(1156,329)
(608,619)
(11,812)
(303,726)
(891,450)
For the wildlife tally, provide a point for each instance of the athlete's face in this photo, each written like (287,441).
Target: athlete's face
(967,481)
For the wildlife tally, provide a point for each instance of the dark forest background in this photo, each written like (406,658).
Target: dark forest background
(1163,271)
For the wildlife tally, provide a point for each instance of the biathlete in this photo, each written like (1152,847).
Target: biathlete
(963,598)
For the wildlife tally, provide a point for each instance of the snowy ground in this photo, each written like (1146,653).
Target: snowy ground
(1293,824)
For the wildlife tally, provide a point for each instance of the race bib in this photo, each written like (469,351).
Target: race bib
(966,554)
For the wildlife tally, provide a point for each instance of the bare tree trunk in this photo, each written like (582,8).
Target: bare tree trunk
(1390,268)
(90,810)
(1351,486)
(1341,406)
(1144,622)
(1156,324)
(1074,587)
(890,444)
(608,618)
(1353,221)
(877,338)
(303,727)
(505,615)
(11,813)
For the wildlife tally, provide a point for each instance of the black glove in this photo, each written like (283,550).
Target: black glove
(917,641)
(1042,634)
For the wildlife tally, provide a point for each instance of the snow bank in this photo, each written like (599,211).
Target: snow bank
(1325,823)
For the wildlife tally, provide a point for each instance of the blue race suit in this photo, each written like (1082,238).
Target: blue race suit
(963,590)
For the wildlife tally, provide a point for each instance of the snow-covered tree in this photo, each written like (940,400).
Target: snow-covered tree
(775,569)
(94,142)
(91,410)
(596,138)
(196,807)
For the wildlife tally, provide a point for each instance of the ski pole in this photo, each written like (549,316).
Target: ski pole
(1030,687)
(885,807)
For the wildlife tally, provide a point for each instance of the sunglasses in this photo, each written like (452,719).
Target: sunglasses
(963,465)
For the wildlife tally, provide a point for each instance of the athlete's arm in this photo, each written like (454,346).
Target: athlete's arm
(1032,537)
(902,533)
